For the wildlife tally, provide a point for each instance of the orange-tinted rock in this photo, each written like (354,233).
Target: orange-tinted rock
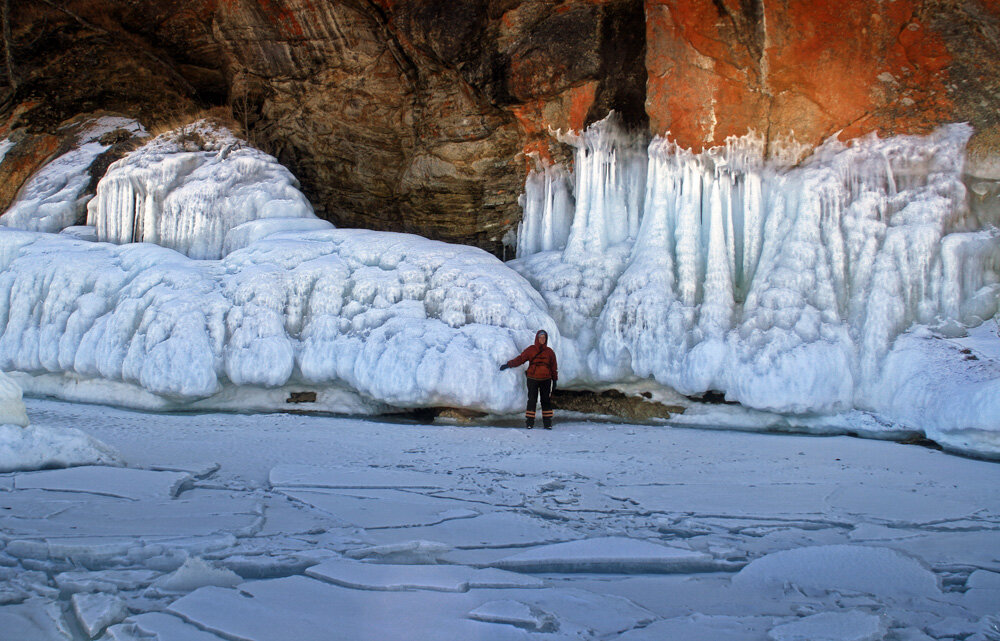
(812,67)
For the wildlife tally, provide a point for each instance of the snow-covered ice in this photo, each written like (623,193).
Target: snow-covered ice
(832,626)
(189,187)
(53,198)
(123,483)
(515,613)
(443,578)
(614,555)
(850,568)
(846,538)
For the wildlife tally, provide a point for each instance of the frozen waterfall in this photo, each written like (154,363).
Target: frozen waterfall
(783,287)
(189,188)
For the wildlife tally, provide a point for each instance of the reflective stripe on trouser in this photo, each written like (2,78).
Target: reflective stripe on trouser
(538,387)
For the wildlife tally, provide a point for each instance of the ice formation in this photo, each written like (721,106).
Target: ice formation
(11,406)
(53,199)
(384,318)
(32,447)
(783,287)
(187,188)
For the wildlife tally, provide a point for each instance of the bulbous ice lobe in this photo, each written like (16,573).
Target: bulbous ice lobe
(400,319)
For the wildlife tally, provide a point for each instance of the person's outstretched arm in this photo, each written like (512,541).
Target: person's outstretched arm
(520,360)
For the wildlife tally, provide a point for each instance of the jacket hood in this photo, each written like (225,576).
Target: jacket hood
(539,335)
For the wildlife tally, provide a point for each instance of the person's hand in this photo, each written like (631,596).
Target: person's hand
(504,366)
(553,385)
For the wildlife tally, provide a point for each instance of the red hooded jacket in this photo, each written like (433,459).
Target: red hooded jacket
(541,360)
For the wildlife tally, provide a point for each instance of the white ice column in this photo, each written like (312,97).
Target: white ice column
(547,205)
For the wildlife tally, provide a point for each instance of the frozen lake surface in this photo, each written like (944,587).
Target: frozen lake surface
(280,526)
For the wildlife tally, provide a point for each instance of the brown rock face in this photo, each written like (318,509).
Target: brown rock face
(415,115)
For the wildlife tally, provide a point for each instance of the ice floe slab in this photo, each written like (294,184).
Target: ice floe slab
(196,573)
(34,620)
(110,581)
(97,611)
(614,555)
(832,626)
(38,447)
(302,608)
(119,482)
(402,552)
(443,578)
(517,614)
(758,499)
(840,568)
(699,627)
(350,478)
(156,626)
(383,508)
(898,506)
(983,592)
(494,529)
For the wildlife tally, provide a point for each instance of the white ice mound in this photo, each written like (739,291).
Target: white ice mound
(34,447)
(396,318)
(187,188)
(840,568)
(952,392)
(12,410)
(52,198)
(782,287)
(37,447)
(196,573)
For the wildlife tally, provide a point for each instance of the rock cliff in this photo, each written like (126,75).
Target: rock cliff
(424,115)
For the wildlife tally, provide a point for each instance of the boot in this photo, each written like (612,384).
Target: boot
(528,423)
(547,423)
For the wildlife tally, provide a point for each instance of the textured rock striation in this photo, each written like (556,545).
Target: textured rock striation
(423,115)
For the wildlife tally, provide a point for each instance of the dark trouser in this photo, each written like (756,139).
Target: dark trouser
(534,387)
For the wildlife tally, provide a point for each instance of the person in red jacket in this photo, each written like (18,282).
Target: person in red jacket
(542,375)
